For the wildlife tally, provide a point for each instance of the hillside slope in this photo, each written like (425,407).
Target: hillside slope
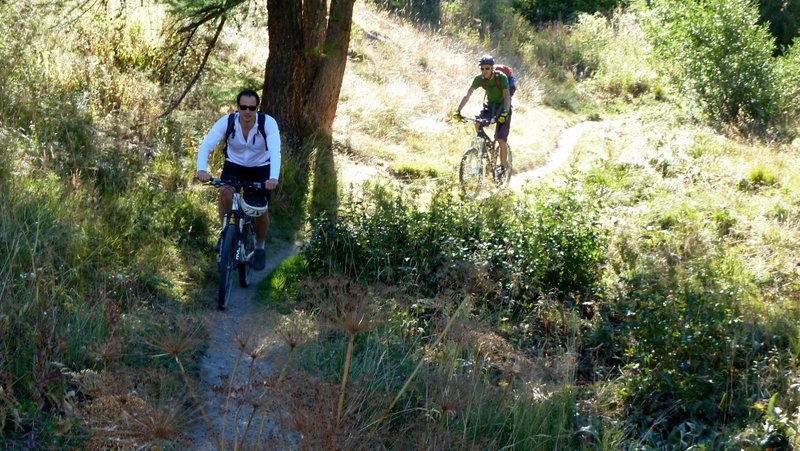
(402,83)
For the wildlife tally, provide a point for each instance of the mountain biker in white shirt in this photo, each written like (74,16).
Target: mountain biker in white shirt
(249,157)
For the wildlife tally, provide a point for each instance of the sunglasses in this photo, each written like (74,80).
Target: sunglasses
(486,68)
(248,107)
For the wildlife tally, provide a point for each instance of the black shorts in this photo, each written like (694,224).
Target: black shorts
(260,174)
(501,131)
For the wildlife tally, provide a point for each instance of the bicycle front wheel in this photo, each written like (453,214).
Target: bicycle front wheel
(470,174)
(247,246)
(227,262)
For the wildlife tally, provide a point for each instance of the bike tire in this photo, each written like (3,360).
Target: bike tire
(225,265)
(248,245)
(470,173)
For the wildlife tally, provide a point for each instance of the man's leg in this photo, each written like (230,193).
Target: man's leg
(262,225)
(225,200)
(501,136)
(501,143)
(259,260)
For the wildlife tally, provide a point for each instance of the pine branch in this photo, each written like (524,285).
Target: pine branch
(175,103)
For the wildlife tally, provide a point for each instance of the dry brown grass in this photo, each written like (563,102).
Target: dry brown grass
(119,412)
(400,86)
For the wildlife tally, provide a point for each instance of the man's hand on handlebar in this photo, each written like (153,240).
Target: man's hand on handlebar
(503,116)
(203,176)
(270,184)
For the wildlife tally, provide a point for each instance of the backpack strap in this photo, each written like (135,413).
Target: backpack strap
(261,120)
(496,81)
(229,132)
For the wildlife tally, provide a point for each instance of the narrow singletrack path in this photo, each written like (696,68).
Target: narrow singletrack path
(240,340)
(250,327)
(563,150)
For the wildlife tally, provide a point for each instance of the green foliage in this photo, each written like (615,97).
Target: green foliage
(717,51)
(324,194)
(462,396)
(679,328)
(606,56)
(288,211)
(281,285)
(758,177)
(414,171)
(539,11)
(556,47)
(423,11)
(98,226)
(551,243)
(783,19)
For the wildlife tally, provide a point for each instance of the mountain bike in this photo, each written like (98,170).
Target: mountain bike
(482,161)
(237,240)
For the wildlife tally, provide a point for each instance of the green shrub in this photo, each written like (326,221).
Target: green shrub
(758,177)
(550,243)
(538,11)
(783,19)
(681,331)
(717,51)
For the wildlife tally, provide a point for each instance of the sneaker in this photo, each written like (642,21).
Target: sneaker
(500,174)
(259,261)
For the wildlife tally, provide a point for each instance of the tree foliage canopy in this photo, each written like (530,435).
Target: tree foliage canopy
(538,11)
(717,51)
(783,17)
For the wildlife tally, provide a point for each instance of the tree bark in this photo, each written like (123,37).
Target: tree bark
(285,68)
(307,58)
(323,96)
(302,81)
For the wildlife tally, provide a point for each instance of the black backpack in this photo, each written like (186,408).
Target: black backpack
(261,119)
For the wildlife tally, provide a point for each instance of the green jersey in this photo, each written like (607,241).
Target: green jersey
(494,95)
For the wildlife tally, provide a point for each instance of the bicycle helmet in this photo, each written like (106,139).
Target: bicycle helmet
(253,203)
(486,59)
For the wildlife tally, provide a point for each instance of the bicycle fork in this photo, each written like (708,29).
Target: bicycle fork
(231,218)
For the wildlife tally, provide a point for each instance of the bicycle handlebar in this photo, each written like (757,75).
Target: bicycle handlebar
(480,120)
(237,184)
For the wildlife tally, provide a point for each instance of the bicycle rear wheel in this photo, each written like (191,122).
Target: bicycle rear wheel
(248,246)
(226,264)
(470,174)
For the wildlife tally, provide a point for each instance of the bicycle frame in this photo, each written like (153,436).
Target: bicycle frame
(481,160)
(237,218)
(486,141)
(237,241)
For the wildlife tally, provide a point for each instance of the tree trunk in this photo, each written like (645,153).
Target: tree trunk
(282,94)
(307,58)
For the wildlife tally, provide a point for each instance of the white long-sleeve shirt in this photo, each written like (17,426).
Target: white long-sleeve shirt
(244,152)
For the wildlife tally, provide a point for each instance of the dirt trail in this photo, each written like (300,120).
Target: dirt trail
(564,148)
(249,323)
(356,173)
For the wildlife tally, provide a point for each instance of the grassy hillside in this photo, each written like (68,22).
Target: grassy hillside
(643,296)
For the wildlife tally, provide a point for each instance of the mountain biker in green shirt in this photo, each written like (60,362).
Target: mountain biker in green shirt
(498,103)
